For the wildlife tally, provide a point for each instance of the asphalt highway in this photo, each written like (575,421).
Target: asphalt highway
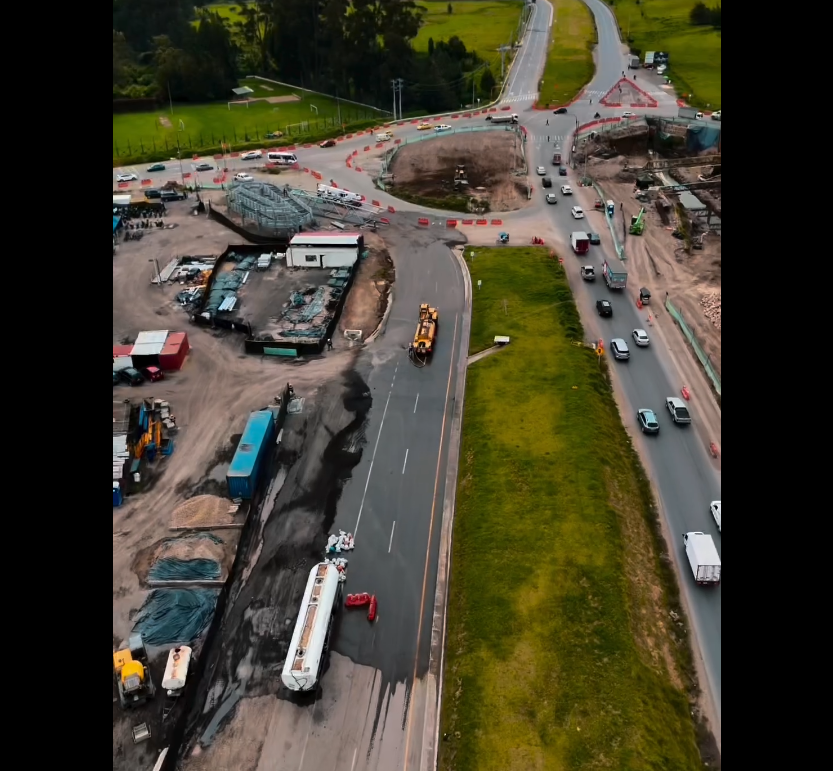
(394,499)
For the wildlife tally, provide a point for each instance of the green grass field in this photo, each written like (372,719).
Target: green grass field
(662,25)
(141,133)
(226,10)
(558,654)
(569,66)
(483,25)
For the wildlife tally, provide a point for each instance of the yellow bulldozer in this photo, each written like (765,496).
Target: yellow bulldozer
(130,667)
(426,331)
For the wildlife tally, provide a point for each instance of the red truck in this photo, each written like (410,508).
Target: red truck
(580,242)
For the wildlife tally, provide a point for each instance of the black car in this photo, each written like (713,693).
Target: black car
(152,192)
(131,376)
(546,181)
(203,167)
(157,167)
(594,238)
(560,111)
(173,195)
(604,308)
(562,171)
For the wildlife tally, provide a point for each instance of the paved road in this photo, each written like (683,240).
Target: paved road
(397,481)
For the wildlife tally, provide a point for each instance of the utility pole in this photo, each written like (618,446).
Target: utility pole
(399,84)
(393,83)
(503,50)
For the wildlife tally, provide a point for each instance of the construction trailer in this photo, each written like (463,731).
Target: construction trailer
(132,673)
(426,331)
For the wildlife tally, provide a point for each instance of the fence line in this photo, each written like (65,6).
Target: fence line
(704,358)
(318,93)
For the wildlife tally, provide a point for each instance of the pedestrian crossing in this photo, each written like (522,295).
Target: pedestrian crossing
(523,98)
(543,138)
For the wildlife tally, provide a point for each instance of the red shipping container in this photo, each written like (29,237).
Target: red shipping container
(173,354)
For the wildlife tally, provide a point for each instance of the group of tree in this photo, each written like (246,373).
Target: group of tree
(351,48)
(703,16)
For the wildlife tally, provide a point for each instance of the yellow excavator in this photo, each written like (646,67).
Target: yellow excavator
(130,666)
(426,331)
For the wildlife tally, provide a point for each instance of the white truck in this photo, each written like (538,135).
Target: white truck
(580,242)
(703,557)
(513,118)
(311,638)
(339,195)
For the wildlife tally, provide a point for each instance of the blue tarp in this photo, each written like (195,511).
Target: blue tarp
(116,221)
(170,616)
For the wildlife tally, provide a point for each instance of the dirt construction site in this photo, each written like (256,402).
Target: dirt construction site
(486,166)
(678,253)
(181,513)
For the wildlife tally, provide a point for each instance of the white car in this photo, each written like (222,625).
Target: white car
(577,212)
(714,506)
(252,155)
(442,127)
(640,337)
(566,190)
(716,115)
(126,177)
(541,171)
(243,177)
(628,114)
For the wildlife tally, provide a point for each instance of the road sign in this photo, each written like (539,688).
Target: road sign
(599,351)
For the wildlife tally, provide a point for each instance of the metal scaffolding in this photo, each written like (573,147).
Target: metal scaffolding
(270,207)
(357,214)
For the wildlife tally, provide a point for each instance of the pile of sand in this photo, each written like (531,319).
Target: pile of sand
(711,307)
(204,511)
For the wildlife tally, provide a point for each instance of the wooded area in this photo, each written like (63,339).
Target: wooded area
(168,49)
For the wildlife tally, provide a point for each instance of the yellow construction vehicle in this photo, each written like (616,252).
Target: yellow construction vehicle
(426,331)
(130,666)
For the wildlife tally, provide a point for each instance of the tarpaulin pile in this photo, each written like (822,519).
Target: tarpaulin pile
(170,616)
(173,569)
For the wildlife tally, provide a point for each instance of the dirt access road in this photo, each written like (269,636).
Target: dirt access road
(426,168)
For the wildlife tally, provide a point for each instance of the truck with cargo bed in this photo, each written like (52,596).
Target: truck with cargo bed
(580,242)
(703,557)
(513,118)
(615,279)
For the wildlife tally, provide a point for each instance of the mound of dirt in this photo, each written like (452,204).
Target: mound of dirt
(203,511)
(493,161)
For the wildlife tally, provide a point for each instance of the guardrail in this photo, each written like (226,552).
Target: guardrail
(689,335)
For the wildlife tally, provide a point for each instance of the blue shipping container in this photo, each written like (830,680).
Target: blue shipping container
(254,444)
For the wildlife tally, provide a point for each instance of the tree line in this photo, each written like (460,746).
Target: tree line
(172,49)
(703,16)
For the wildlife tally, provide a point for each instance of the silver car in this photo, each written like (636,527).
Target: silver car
(620,349)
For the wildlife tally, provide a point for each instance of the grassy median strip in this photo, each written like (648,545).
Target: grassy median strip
(569,66)
(561,653)
(695,51)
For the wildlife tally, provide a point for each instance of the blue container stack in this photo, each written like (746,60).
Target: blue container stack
(254,444)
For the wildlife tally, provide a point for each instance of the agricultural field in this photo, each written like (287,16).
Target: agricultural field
(663,25)
(205,125)
(483,25)
(559,653)
(569,66)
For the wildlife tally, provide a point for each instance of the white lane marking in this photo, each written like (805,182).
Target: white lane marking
(406,460)
(415,404)
(390,546)
(370,470)
(355,754)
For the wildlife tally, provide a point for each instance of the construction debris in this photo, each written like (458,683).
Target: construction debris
(340,565)
(339,543)
(711,307)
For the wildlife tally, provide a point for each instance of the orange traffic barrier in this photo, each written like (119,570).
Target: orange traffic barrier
(391,210)
(397,141)
(349,136)
(424,221)
(307,145)
(467,115)
(454,117)
(291,147)
(146,182)
(306,170)
(355,152)
(187,175)
(639,303)
(482,222)
(508,107)
(379,144)
(713,449)
(375,203)
(235,155)
(367,148)
(468,222)
(218,157)
(384,220)
(497,222)
(358,168)
(686,393)
(493,109)
(451,223)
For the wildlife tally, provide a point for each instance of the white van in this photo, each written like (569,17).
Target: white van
(384,136)
(281,158)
